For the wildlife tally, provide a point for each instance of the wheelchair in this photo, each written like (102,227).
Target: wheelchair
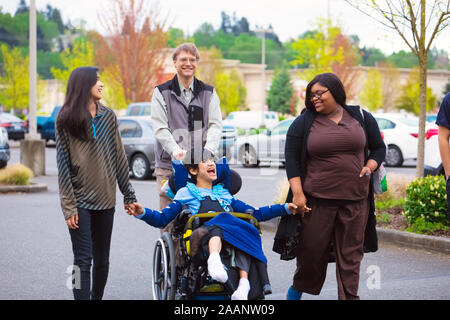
(180,272)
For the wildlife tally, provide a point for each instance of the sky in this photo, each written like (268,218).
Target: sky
(289,18)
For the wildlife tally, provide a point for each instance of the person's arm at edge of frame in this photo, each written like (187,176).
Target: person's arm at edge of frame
(444,148)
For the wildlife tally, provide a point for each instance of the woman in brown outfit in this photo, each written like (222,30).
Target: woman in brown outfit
(331,151)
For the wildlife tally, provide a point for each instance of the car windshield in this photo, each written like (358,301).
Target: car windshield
(410,122)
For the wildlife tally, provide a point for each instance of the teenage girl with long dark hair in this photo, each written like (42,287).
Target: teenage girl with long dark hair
(91,160)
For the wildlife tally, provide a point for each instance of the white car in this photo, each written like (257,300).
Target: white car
(265,147)
(252,119)
(400,136)
(432,163)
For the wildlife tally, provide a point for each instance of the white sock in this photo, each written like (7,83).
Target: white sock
(242,291)
(216,269)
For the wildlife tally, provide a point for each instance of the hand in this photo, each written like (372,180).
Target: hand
(72,222)
(134,209)
(365,171)
(300,202)
(292,208)
(130,208)
(179,154)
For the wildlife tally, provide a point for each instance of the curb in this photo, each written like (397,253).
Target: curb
(31,188)
(414,240)
(394,237)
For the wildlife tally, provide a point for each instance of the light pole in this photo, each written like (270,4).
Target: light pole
(263,63)
(32,148)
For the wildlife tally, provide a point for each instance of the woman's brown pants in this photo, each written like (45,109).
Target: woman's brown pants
(343,226)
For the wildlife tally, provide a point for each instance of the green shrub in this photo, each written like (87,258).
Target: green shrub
(426,201)
(420,225)
(16,174)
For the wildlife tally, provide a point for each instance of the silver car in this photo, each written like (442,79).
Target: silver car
(267,147)
(138,140)
(5,153)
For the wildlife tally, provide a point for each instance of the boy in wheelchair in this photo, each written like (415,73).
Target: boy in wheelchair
(201,196)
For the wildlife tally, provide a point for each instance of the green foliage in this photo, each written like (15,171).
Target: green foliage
(281,91)
(316,50)
(231,91)
(409,95)
(14,80)
(176,37)
(421,225)
(372,56)
(371,95)
(82,54)
(426,201)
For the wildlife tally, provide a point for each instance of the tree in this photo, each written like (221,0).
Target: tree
(417,23)
(211,64)
(327,50)
(390,84)
(281,91)
(231,92)
(409,94)
(133,52)
(14,80)
(81,55)
(176,37)
(371,95)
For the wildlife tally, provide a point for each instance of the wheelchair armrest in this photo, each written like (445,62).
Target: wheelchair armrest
(181,220)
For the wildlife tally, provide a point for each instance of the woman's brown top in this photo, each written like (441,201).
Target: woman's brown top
(335,157)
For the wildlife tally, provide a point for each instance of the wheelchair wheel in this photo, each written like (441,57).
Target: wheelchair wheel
(164,269)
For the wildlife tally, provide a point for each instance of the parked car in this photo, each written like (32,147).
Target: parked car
(5,153)
(400,136)
(46,125)
(269,146)
(252,119)
(15,126)
(138,109)
(138,140)
(229,137)
(432,162)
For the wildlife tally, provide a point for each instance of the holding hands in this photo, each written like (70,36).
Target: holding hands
(134,209)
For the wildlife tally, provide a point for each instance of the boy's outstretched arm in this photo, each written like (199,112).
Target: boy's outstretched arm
(158,219)
(262,213)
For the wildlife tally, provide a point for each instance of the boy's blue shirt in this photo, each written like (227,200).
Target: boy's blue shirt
(191,196)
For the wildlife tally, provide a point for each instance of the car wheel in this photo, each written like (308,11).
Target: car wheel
(140,167)
(3,164)
(394,157)
(248,157)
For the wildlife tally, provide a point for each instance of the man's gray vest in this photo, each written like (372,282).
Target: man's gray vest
(188,123)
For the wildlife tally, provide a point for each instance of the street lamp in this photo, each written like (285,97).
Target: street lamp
(32,148)
(263,62)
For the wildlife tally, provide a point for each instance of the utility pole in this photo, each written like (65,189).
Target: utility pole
(263,63)
(32,148)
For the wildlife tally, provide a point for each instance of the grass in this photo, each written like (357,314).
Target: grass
(16,174)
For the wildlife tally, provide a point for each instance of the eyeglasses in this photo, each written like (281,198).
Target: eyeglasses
(318,95)
(191,60)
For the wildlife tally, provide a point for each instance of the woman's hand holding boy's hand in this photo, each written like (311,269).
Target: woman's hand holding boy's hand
(294,209)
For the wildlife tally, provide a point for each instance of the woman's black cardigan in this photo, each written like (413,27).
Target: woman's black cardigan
(295,153)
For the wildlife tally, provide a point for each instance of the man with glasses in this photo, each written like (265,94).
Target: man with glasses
(185,115)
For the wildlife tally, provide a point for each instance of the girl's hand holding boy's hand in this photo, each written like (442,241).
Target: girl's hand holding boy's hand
(134,209)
